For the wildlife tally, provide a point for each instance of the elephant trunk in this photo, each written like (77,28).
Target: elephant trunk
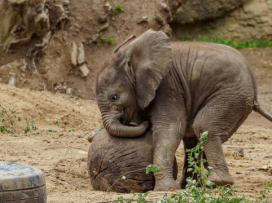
(115,128)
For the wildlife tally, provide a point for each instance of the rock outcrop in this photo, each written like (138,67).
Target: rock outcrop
(199,10)
(252,20)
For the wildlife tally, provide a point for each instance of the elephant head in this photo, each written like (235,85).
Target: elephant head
(128,80)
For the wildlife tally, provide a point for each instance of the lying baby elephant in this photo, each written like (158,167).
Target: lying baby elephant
(110,157)
(182,89)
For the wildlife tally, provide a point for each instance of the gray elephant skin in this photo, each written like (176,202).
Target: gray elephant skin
(179,89)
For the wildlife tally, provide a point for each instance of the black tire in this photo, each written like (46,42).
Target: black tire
(21,183)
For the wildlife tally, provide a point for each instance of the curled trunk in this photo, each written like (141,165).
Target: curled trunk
(115,128)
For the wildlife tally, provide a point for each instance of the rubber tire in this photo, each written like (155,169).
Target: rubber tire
(21,183)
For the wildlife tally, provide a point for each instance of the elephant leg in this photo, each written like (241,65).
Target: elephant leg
(221,117)
(189,143)
(169,127)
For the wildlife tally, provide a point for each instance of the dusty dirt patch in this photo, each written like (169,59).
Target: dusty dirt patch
(72,119)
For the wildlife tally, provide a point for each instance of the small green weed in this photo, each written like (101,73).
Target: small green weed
(30,125)
(7,119)
(110,40)
(119,8)
(116,9)
(101,38)
(261,43)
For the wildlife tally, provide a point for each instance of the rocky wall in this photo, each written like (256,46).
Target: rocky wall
(252,20)
(57,45)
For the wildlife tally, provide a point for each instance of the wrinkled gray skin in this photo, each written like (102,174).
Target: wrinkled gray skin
(182,89)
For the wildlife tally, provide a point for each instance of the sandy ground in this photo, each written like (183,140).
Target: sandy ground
(59,146)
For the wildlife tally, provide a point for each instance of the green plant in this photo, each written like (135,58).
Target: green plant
(235,44)
(7,120)
(119,8)
(110,40)
(116,9)
(30,125)
(196,189)
(101,38)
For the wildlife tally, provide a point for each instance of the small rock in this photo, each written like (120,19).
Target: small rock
(240,152)
(22,68)
(264,168)
(66,3)
(84,70)
(159,20)
(108,6)
(59,9)
(253,156)
(82,152)
(74,53)
(61,86)
(142,20)
(12,81)
(255,168)
(69,91)
(81,55)
(164,6)
(237,172)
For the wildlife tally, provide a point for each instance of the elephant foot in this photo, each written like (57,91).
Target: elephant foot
(220,179)
(166,185)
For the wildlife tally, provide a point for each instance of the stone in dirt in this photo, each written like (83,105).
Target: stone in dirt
(84,70)
(81,54)
(12,81)
(74,53)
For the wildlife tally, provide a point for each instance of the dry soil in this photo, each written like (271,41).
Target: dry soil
(59,146)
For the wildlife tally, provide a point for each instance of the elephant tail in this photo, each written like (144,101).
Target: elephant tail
(257,107)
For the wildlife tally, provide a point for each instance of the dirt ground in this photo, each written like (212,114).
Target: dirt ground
(59,146)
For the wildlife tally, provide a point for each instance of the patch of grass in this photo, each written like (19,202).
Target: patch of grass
(116,8)
(119,8)
(261,43)
(110,40)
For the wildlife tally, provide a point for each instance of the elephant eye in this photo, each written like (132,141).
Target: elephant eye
(114,98)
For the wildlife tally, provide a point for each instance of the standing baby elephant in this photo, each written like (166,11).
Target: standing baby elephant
(182,89)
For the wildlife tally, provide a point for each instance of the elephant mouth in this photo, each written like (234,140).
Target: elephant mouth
(125,121)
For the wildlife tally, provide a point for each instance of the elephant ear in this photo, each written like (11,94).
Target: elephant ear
(150,56)
(124,43)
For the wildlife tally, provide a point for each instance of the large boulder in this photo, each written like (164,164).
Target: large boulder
(198,10)
(110,157)
(249,21)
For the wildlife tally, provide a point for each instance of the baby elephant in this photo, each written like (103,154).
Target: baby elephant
(182,89)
